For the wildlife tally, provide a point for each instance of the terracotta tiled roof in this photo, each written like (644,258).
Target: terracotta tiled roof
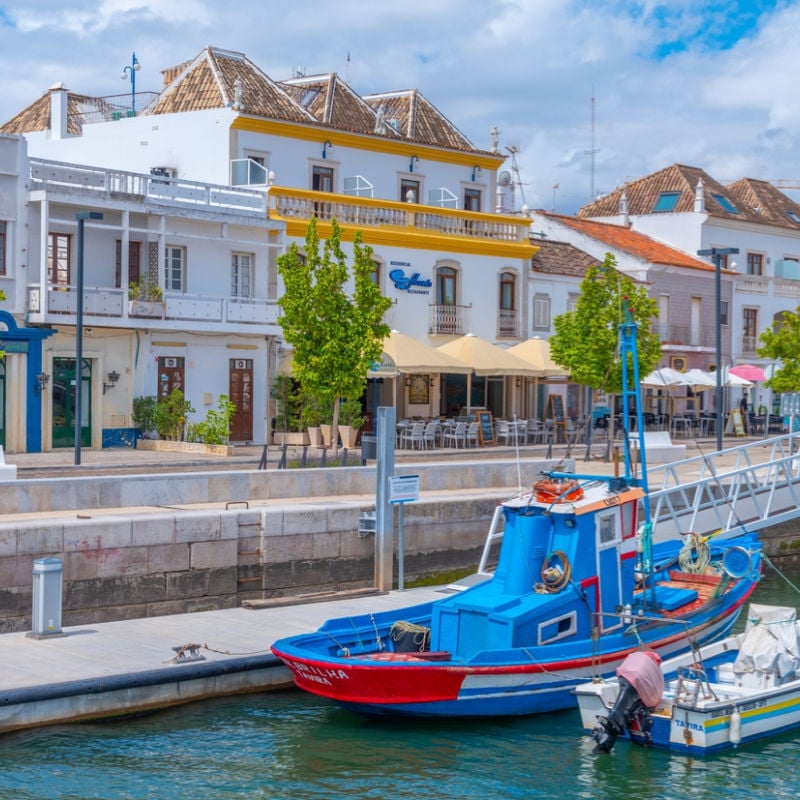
(210,81)
(770,204)
(36,117)
(221,78)
(410,114)
(643,194)
(561,258)
(332,102)
(632,242)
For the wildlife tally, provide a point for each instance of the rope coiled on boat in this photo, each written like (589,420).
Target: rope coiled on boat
(695,555)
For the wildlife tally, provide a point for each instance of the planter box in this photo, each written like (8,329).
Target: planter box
(293,439)
(145,308)
(166,446)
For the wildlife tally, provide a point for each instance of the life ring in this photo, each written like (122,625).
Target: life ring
(552,490)
(556,571)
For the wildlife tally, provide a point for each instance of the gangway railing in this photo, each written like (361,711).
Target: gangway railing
(747,487)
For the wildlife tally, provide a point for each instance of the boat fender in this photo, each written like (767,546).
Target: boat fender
(735,734)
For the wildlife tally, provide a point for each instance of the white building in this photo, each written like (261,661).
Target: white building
(201,186)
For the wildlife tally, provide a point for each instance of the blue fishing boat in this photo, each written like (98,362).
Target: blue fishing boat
(581,583)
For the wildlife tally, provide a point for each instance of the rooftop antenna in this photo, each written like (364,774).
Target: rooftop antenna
(591,154)
(347,68)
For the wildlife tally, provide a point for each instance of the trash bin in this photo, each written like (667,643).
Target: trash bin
(47,577)
(369,447)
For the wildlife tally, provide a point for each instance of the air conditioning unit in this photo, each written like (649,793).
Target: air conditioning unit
(164,172)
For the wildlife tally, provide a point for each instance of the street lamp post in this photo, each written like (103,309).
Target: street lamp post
(81,216)
(716,254)
(132,69)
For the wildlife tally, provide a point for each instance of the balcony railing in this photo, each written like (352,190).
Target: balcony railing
(508,323)
(109,303)
(448,319)
(155,189)
(364,212)
(749,344)
(687,336)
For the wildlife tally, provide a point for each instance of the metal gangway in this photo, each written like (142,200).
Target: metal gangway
(744,488)
(748,487)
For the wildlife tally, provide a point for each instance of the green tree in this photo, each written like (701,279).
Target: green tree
(334,324)
(586,339)
(782,343)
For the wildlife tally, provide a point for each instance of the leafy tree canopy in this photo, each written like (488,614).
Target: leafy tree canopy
(335,325)
(783,344)
(586,339)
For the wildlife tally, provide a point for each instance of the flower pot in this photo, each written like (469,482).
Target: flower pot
(326,434)
(349,435)
(291,438)
(315,436)
(146,308)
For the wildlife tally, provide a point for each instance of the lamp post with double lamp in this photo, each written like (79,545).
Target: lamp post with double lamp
(132,69)
(81,216)
(717,254)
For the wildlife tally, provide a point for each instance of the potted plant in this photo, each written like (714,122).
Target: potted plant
(289,426)
(351,418)
(144,415)
(311,419)
(146,299)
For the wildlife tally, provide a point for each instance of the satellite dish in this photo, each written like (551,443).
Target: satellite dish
(504,178)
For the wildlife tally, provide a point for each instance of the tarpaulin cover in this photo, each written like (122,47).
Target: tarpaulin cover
(642,670)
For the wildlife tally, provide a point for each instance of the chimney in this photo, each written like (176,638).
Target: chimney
(699,197)
(623,209)
(58,111)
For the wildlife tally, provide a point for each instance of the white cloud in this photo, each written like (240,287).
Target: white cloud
(669,85)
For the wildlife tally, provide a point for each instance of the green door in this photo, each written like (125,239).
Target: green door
(63,389)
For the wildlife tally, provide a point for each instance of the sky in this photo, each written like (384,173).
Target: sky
(586,94)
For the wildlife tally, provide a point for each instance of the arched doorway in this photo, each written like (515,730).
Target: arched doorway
(63,402)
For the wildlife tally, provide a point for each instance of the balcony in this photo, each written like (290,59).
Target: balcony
(422,225)
(154,189)
(105,306)
(507,324)
(448,319)
(705,336)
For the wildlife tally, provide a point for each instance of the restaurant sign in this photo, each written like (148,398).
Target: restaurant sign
(410,282)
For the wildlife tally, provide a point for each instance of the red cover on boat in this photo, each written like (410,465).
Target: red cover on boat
(642,670)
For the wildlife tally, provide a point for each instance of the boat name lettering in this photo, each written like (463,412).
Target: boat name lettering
(692,726)
(406,283)
(317,674)
(611,501)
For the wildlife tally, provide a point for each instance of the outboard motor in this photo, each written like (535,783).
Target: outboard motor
(641,685)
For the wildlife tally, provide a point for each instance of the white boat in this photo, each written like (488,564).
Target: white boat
(731,692)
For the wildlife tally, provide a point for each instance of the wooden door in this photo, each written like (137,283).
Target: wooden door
(170,375)
(241,395)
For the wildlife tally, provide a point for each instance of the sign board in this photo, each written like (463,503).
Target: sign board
(735,423)
(790,404)
(403,488)
(485,427)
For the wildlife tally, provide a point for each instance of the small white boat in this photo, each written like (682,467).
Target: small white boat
(737,690)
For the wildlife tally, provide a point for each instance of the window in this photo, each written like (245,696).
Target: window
(406,186)
(666,201)
(446,284)
(508,283)
(541,312)
(755,264)
(749,329)
(59,246)
(134,262)
(175,268)
(2,247)
(472,199)
(572,301)
(241,274)
(322,179)
(725,203)
(376,272)
(723,312)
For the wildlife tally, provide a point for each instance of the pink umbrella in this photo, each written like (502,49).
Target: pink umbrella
(750,372)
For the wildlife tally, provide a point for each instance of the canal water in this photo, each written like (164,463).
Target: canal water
(293,745)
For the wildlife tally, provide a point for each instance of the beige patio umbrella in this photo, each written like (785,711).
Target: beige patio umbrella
(407,354)
(485,358)
(536,352)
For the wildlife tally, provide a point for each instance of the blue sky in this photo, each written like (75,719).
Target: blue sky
(709,84)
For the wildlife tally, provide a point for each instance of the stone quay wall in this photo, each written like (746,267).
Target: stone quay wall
(148,545)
